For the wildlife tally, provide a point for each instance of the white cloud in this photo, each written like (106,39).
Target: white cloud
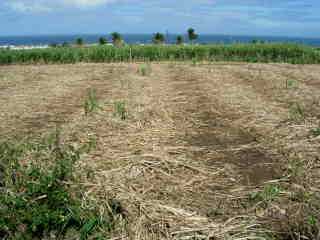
(28,6)
(51,5)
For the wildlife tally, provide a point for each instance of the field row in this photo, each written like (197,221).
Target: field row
(287,53)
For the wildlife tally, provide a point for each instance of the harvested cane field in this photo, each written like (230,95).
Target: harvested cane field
(160,151)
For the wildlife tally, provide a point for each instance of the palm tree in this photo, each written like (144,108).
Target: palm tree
(102,41)
(116,39)
(192,35)
(79,41)
(179,40)
(65,44)
(53,45)
(158,38)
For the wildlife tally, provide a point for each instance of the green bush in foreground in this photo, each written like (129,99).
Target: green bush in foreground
(287,53)
(35,201)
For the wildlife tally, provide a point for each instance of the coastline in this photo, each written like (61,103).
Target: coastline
(23,47)
(30,42)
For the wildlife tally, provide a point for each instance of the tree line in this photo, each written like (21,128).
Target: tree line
(117,39)
(159,38)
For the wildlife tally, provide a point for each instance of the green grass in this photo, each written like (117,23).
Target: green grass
(268,194)
(36,200)
(288,53)
(120,110)
(296,112)
(91,102)
(145,69)
(194,62)
(291,83)
(316,132)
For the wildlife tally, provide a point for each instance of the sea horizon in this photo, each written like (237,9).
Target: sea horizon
(146,38)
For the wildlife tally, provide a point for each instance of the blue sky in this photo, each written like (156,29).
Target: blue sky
(237,17)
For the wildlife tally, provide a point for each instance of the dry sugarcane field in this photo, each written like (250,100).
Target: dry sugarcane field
(175,150)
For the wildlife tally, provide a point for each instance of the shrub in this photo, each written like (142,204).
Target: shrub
(35,200)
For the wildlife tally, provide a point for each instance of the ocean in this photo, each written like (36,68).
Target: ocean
(145,39)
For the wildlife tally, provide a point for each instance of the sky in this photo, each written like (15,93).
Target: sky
(296,18)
